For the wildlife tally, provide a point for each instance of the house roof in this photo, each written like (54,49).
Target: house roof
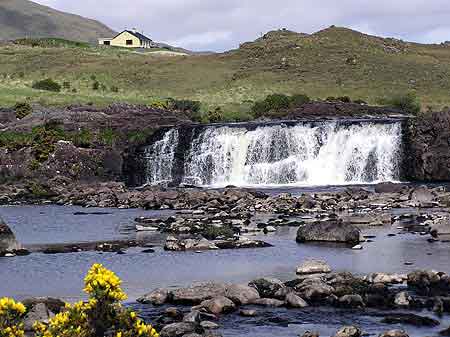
(137,34)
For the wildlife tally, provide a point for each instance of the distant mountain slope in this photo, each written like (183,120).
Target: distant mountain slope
(23,18)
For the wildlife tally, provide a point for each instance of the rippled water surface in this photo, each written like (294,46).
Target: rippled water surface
(61,275)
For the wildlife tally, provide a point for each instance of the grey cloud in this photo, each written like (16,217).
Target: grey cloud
(223,24)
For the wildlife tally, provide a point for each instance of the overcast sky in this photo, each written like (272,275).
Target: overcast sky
(223,24)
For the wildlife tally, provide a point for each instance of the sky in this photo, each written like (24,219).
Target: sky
(219,25)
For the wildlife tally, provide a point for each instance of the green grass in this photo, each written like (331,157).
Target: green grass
(335,62)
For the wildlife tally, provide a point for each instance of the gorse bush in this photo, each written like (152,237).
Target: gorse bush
(101,315)
(48,85)
(406,102)
(184,105)
(11,316)
(23,109)
(278,102)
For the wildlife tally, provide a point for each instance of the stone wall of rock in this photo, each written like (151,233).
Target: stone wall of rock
(427,148)
(8,241)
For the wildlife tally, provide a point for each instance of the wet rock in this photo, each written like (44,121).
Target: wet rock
(351,301)
(188,244)
(8,240)
(329,231)
(445,332)
(173,313)
(37,313)
(248,313)
(197,293)
(178,329)
(428,283)
(314,290)
(156,297)
(385,278)
(421,196)
(218,305)
(208,325)
(389,188)
(294,301)
(411,319)
(394,333)
(268,302)
(310,334)
(313,267)
(402,299)
(348,331)
(241,294)
(267,287)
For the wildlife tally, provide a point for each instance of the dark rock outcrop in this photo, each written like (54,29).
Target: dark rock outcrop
(427,145)
(8,240)
(328,231)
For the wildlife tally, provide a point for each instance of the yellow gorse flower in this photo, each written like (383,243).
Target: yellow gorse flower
(102,312)
(104,284)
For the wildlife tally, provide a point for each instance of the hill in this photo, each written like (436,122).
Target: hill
(23,18)
(333,62)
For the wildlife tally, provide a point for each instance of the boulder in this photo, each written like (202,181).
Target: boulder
(156,297)
(394,333)
(178,329)
(218,305)
(313,267)
(348,331)
(310,334)
(37,313)
(422,196)
(314,290)
(294,301)
(334,230)
(351,301)
(267,287)
(241,294)
(402,299)
(268,302)
(197,293)
(8,240)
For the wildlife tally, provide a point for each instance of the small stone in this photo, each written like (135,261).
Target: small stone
(313,267)
(209,325)
(357,247)
(248,313)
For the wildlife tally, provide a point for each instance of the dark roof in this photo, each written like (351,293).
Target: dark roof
(137,34)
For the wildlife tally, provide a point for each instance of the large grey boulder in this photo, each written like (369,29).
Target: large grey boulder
(328,231)
(241,294)
(394,333)
(178,329)
(156,297)
(267,287)
(197,293)
(8,240)
(218,305)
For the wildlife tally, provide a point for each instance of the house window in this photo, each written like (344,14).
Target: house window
(107,43)
(129,42)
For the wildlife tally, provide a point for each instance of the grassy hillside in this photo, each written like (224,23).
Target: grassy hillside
(332,62)
(23,18)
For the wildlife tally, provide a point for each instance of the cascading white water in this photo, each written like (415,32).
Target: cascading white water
(303,154)
(159,158)
(328,154)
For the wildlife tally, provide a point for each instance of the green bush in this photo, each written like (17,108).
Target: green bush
(114,89)
(298,100)
(184,105)
(23,109)
(96,85)
(216,115)
(48,85)
(406,102)
(274,102)
(82,138)
(66,85)
(108,137)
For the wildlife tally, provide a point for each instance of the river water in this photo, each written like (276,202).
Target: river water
(61,275)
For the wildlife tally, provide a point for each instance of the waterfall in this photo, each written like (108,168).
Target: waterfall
(329,153)
(159,158)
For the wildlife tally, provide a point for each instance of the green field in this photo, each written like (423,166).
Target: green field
(333,62)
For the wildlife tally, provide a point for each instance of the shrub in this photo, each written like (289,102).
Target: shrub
(298,100)
(66,85)
(114,89)
(406,102)
(96,85)
(360,101)
(23,109)
(48,85)
(215,115)
(274,102)
(344,99)
(11,318)
(184,105)
(160,104)
(108,137)
(82,138)
(102,314)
